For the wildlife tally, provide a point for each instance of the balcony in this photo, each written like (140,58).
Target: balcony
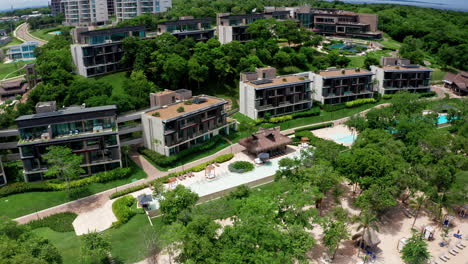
(46,137)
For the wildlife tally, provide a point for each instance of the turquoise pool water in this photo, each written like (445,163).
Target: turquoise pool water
(338,46)
(442,119)
(55,33)
(344,138)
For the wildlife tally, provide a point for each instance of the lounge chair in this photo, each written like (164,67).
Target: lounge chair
(461,245)
(452,252)
(444,257)
(433,261)
(455,250)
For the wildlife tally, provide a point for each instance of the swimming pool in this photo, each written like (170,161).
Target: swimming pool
(226,179)
(55,33)
(442,119)
(344,138)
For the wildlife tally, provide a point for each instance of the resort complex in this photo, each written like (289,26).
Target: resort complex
(173,132)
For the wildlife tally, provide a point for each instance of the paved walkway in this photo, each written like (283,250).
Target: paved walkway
(22,33)
(98,200)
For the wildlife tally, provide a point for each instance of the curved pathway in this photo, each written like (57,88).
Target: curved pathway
(22,33)
(98,200)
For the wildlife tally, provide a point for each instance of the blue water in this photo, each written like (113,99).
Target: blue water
(456,5)
(55,33)
(344,138)
(442,119)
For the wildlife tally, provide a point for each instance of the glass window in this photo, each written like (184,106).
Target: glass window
(27,151)
(111,140)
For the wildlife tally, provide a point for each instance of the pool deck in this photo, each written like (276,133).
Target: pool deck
(335,133)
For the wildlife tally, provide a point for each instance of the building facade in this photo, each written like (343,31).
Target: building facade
(3,179)
(397,74)
(169,129)
(127,9)
(339,22)
(55,7)
(90,132)
(262,93)
(199,29)
(99,52)
(85,12)
(22,51)
(338,86)
(234,27)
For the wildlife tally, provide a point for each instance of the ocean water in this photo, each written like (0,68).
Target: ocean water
(456,5)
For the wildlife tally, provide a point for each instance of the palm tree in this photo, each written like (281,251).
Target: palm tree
(417,203)
(367,221)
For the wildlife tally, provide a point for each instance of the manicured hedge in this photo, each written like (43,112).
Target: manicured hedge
(162,160)
(387,96)
(241,166)
(54,185)
(329,124)
(123,209)
(333,108)
(314,111)
(428,94)
(198,168)
(280,119)
(359,102)
(61,222)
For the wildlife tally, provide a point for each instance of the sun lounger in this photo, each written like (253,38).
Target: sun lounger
(461,244)
(455,250)
(443,258)
(452,252)
(433,262)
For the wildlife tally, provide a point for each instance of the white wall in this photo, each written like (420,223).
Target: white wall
(224,34)
(247,100)
(77,56)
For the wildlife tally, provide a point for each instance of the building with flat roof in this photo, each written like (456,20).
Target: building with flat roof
(127,9)
(85,12)
(90,132)
(169,129)
(338,86)
(397,74)
(457,82)
(22,51)
(262,93)
(200,29)
(337,22)
(234,27)
(98,52)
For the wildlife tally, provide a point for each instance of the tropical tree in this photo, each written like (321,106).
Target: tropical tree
(63,164)
(175,202)
(418,203)
(367,221)
(415,251)
(95,248)
(334,232)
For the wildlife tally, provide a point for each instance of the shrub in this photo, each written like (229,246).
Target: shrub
(241,166)
(314,127)
(314,111)
(156,114)
(428,94)
(280,119)
(240,192)
(188,102)
(333,108)
(61,222)
(180,109)
(359,102)
(164,161)
(387,96)
(123,210)
(55,185)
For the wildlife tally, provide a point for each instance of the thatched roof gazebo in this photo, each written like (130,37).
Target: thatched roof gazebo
(266,140)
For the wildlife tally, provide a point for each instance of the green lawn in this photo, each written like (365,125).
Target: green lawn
(44,33)
(390,43)
(358,61)
(438,75)
(17,205)
(14,41)
(7,68)
(116,80)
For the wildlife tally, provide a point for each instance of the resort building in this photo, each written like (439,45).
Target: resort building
(4,38)
(338,86)
(266,140)
(171,128)
(90,132)
(457,82)
(335,22)
(13,87)
(200,29)
(396,74)
(99,52)
(127,9)
(55,7)
(234,27)
(85,12)
(262,93)
(22,51)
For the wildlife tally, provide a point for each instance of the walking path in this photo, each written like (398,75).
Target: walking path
(22,33)
(95,201)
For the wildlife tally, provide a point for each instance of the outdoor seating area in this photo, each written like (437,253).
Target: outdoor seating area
(266,140)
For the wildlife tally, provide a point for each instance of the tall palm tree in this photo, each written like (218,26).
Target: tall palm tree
(418,203)
(367,221)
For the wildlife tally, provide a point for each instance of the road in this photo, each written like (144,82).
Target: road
(22,33)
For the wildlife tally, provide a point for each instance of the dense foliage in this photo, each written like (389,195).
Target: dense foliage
(123,209)
(61,222)
(19,245)
(241,166)
(177,204)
